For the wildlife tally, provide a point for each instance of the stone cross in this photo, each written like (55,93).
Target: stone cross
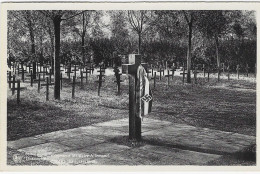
(134,60)
(238,68)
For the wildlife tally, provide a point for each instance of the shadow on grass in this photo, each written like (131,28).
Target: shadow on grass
(246,156)
(32,118)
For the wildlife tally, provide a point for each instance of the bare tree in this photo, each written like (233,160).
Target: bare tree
(137,19)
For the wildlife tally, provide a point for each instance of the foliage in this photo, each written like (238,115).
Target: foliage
(161,35)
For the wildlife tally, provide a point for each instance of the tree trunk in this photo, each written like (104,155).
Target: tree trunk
(189,55)
(32,44)
(83,38)
(83,47)
(52,50)
(139,43)
(217,55)
(57,22)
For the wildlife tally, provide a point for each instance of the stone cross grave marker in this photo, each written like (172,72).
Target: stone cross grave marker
(223,67)
(195,72)
(68,70)
(100,78)
(75,70)
(39,82)
(18,89)
(183,74)
(73,86)
(173,70)
(48,83)
(208,72)
(131,68)
(203,68)
(118,80)
(9,79)
(22,71)
(238,68)
(154,80)
(168,77)
(31,77)
(87,71)
(161,70)
(219,71)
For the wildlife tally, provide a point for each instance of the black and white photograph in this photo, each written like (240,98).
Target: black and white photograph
(129,86)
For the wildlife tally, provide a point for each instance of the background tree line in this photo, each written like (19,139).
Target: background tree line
(187,37)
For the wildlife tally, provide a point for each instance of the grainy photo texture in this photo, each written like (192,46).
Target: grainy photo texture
(131,87)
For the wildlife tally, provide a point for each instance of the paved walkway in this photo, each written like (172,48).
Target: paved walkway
(164,143)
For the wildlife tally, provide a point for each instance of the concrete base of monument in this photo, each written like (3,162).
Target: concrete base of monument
(163,143)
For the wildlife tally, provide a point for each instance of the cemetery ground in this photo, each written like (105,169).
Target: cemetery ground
(227,107)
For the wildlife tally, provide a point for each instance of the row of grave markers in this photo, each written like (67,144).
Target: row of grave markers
(43,71)
(68,69)
(195,72)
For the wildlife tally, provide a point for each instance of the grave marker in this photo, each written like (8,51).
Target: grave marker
(168,77)
(47,88)
(154,79)
(218,74)
(31,77)
(9,79)
(183,74)
(223,67)
(88,71)
(73,87)
(173,70)
(118,80)
(75,70)
(18,89)
(203,68)
(13,82)
(39,82)
(100,80)
(195,72)
(134,71)
(237,71)
(160,71)
(68,68)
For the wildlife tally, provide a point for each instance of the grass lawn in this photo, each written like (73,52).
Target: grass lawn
(225,105)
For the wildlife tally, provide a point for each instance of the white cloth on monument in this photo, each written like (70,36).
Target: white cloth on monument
(143,93)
